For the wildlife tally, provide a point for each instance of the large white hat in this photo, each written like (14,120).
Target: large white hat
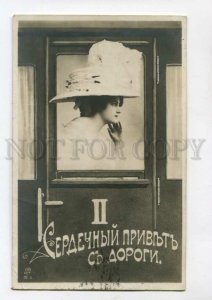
(112,70)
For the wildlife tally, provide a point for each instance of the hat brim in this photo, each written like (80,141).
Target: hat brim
(71,96)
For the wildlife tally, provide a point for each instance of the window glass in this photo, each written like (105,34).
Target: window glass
(98,153)
(26,122)
(174,121)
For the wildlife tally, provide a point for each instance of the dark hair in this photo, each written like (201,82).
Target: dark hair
(90,105)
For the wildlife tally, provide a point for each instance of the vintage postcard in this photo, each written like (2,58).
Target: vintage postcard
(98,149)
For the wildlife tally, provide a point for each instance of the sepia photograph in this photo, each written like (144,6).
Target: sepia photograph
(99,156)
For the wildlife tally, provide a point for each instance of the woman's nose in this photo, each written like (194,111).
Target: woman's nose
(118,110)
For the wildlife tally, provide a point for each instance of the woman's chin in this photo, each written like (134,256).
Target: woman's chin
(116,120)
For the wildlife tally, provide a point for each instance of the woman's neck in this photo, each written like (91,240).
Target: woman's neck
(95,123)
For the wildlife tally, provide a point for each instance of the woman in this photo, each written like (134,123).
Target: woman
(112,73)
(95,113)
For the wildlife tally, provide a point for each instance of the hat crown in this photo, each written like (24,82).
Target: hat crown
(106,53)
(112,69)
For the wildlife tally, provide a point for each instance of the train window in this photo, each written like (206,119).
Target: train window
(80,151)
(174,121)
(26,97)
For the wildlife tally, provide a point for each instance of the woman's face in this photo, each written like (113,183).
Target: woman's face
(112,111)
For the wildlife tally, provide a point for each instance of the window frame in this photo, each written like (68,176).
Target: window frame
(62,46)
